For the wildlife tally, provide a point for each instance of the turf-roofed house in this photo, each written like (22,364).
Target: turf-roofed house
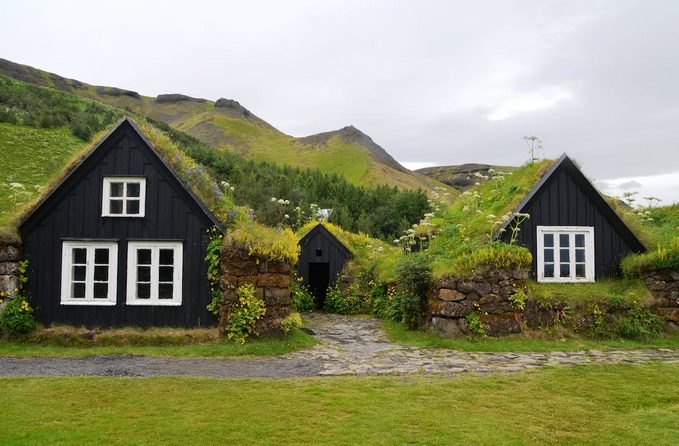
(120,240)
(572,232)
(322,257)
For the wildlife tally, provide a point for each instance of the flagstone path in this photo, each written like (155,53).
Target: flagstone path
(349,345)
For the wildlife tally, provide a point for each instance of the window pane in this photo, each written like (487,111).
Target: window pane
(132,207)
(116,207)
(79,255)
(132,189)
(580,240)
(116,189)
(549,255)
(579,255)
(78,274)
(165,273)
(580,270)
(563,240)
(101,273)
(78,290)
(143,274)
(143,291)
(165,291)
(101,290)
(564,270)
(564,255)
(143,256)
(549,270)
(549,240)
(167,256)
(101,256)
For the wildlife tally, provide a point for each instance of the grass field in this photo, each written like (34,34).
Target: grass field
(538,341)
(121,344)
(625,404)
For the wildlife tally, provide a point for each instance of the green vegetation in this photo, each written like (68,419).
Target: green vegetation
(624,404)
(664,256)
(276,244)
(300,298)
(620,293)
(33,106)
(63,341)
(245,314)
(552,339)
(16,318)
(468,225)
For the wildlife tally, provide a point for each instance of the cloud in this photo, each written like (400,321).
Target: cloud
(664,186)
(526,103)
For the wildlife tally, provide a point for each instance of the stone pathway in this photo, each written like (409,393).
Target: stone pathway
(349,345)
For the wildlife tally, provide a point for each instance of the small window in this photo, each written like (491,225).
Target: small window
(154,273)
(319,253)
(565,254)
(89,273)
(123,197)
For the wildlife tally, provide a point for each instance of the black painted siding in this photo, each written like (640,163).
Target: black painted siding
(567,198)
(334,253)
(73,211)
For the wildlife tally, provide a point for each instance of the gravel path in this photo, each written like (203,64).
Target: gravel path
(349,346)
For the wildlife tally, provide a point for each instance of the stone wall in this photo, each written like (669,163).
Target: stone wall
(10,255)
(664,287)
(452,299)
(271,281)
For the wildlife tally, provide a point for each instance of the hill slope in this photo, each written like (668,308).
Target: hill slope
(227,124)
(463,176)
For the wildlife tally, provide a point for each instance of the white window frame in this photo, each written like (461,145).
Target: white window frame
(67,272)
(106,196)
(587,231)
(155,247)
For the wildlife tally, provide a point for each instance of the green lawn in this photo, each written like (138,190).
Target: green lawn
(624,404)
(296,340)
(542,341)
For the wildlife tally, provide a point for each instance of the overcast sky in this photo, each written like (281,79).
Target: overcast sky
(432,82)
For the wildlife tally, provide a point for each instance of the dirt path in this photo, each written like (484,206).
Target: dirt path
(349,346)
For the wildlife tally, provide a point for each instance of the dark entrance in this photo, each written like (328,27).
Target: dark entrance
(319,280)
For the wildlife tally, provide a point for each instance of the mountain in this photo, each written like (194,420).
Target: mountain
(461,177)
(227,124)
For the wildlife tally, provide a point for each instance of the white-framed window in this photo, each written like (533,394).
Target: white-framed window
(565,253)
(89,272)
(123,197)
(154,273)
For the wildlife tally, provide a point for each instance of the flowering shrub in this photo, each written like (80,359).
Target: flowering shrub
(17,319)
(248,310)
(660,258)
(290,322)
(300,298)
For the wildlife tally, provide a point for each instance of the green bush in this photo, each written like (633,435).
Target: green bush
(640,324)
(17,319)
(661,258)
(290,322)
(244,316)
(474,325)
(300,298)
(334,300)
(413,277)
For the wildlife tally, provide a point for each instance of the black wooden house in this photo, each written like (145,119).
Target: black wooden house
(119,241)
(573,233)
(321,259)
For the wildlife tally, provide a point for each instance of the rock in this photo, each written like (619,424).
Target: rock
(674,274)
(279,267)
(445,282)
(495,288)
(669,314)
(521,274)
(465,286)
(273,280)
(244,280)
(113,91)
(230,104)
(8,284)
(536,317)
(492,303)
(656,285)
(448,309)
(228,282)
(172,98)
(236,267)
(9,268)
(482,288)
(472,297)
(507,291)
(277,296)
(448,295)
(9,253)
(447,327)
(500,324)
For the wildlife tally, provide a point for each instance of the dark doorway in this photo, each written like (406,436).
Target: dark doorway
(319,279)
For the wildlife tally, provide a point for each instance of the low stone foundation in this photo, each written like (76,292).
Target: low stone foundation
(664,287)
(10,255)
(271,281)
(453,299)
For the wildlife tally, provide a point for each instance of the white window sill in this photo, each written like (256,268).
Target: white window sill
(105,303)
(565,280)
(154,304)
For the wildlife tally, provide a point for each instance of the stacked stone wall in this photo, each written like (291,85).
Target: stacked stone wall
(270,279)
(10,255)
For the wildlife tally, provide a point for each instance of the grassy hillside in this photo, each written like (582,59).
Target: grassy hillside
(227,124)
(463,176)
